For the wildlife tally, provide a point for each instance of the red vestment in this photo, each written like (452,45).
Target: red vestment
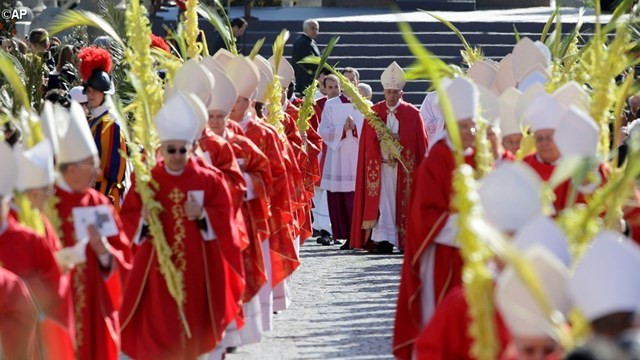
(311,170)
(218,153)
(284,260)
(562,191)
(368,176)
(447,334)
(17,318)
(96,291)
(26,254)
(428,213)
(255,211)
(212,270)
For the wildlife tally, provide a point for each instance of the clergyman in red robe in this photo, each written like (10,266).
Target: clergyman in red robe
(199,227)
(382,185)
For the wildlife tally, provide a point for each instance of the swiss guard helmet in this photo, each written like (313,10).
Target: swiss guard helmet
(95,66)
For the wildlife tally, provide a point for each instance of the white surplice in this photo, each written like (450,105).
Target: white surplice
(432,117)
(341,159)
(385,229)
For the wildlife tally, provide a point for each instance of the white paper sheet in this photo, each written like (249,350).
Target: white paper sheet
(100,216)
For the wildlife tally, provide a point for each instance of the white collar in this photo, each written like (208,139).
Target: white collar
(555,163)
(171,172)
(391,109)
(245,120)
(97,111)
(63,184)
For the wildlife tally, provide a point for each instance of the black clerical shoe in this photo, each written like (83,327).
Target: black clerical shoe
(345,246)
(384,247)
(324,241)
(316,233)
(231,349)
(336,242)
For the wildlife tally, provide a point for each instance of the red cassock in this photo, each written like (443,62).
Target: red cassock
(284,260)
(367,196)
(562,191)
(427,214)
(96,290)
(17,319)
(212,270)
(27,254)
(447,337)
(317,109)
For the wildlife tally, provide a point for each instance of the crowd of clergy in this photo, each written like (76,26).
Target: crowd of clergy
(83,273)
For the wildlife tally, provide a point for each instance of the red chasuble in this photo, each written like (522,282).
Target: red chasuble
(96,291)
(447,337)
(17,318)
(219,154)
(255,166)
(225,161)
(284,260)
(26,254)
(212,269)
(562,191)
(310,169)
(367,197)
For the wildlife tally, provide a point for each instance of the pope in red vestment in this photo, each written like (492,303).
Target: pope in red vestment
(95,288)
(413,139)
(17,318)
(208,258)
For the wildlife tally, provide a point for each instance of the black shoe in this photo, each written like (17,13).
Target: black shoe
(319,240)
(324,241)
(325,233)
(316,233)
(384,247)
(231,349)
(345,246)
(336,242)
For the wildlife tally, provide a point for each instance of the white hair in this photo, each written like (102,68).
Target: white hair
(366,89)
(307,22)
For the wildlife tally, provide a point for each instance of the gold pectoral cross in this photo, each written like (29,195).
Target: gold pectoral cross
(176,195)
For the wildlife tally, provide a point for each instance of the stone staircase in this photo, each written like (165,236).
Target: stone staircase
(370,46)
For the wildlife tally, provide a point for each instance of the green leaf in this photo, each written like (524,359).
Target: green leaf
(566,42)
(547,25)
(565,170)
(278,48)
(451,27)
(432,68)
(220,24)
(516,33)
(256,48)
(325,54)
(8,70)
(72,18)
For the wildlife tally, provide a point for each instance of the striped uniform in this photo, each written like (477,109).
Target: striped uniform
(111,143)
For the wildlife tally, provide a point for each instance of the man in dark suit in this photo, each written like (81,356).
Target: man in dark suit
(238,27)
(304,46)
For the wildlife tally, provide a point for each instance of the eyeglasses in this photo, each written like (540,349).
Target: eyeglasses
(172,150)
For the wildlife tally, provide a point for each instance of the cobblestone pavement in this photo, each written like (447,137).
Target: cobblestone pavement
(343,307)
